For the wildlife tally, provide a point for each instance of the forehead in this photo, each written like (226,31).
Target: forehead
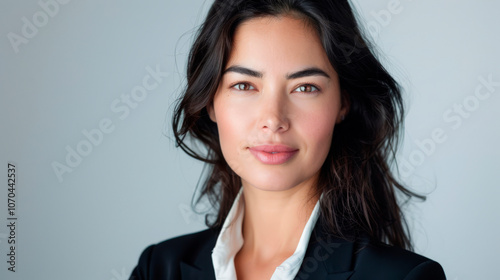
(278,42)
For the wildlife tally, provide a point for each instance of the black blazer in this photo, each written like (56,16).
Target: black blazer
(327,257)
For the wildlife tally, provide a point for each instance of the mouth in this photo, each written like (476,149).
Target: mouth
(273,154)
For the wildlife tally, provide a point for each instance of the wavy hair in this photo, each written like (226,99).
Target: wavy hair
(359,189)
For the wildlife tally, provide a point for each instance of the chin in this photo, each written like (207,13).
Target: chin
(271,183)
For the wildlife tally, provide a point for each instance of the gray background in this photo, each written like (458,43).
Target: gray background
(134,187)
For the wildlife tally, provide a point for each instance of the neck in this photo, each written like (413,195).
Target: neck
(274,220)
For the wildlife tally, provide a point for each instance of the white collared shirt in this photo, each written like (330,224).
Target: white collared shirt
(230,241)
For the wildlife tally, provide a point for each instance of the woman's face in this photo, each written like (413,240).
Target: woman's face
(277,104)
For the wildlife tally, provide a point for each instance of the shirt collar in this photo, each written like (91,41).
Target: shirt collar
(230,241)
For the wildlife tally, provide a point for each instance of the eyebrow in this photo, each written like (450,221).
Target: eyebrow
(244,71)
(311,71)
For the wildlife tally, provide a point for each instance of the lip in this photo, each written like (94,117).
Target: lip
(273,154)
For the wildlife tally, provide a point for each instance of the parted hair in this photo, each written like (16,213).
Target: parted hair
(360,192)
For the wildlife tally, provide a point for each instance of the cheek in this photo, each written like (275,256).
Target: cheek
(232,127)
(318,127)
(320,130)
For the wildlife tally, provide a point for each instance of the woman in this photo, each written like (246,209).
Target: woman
(300,122)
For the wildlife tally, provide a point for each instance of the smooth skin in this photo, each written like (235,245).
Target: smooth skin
(278,88)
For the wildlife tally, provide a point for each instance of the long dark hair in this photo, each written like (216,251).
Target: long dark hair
(359,189)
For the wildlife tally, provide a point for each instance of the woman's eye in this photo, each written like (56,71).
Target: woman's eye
(306,88)
(243,86)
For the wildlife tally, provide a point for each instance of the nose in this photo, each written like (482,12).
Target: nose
(273,112)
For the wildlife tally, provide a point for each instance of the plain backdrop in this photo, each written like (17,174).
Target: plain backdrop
(70,69)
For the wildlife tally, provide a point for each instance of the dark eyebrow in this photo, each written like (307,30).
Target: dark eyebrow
(244,71)
(313,71)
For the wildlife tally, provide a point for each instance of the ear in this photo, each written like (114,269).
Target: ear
(211,112)
(345,105)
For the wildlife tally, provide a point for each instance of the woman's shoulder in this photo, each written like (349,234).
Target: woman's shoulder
(187,242)
(381,259)
(361,257)
(166,259)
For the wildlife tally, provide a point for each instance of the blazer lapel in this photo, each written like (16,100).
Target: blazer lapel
(189,272)
(327,257)
(201,268)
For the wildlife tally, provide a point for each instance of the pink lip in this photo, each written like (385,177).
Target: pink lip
(273,154)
